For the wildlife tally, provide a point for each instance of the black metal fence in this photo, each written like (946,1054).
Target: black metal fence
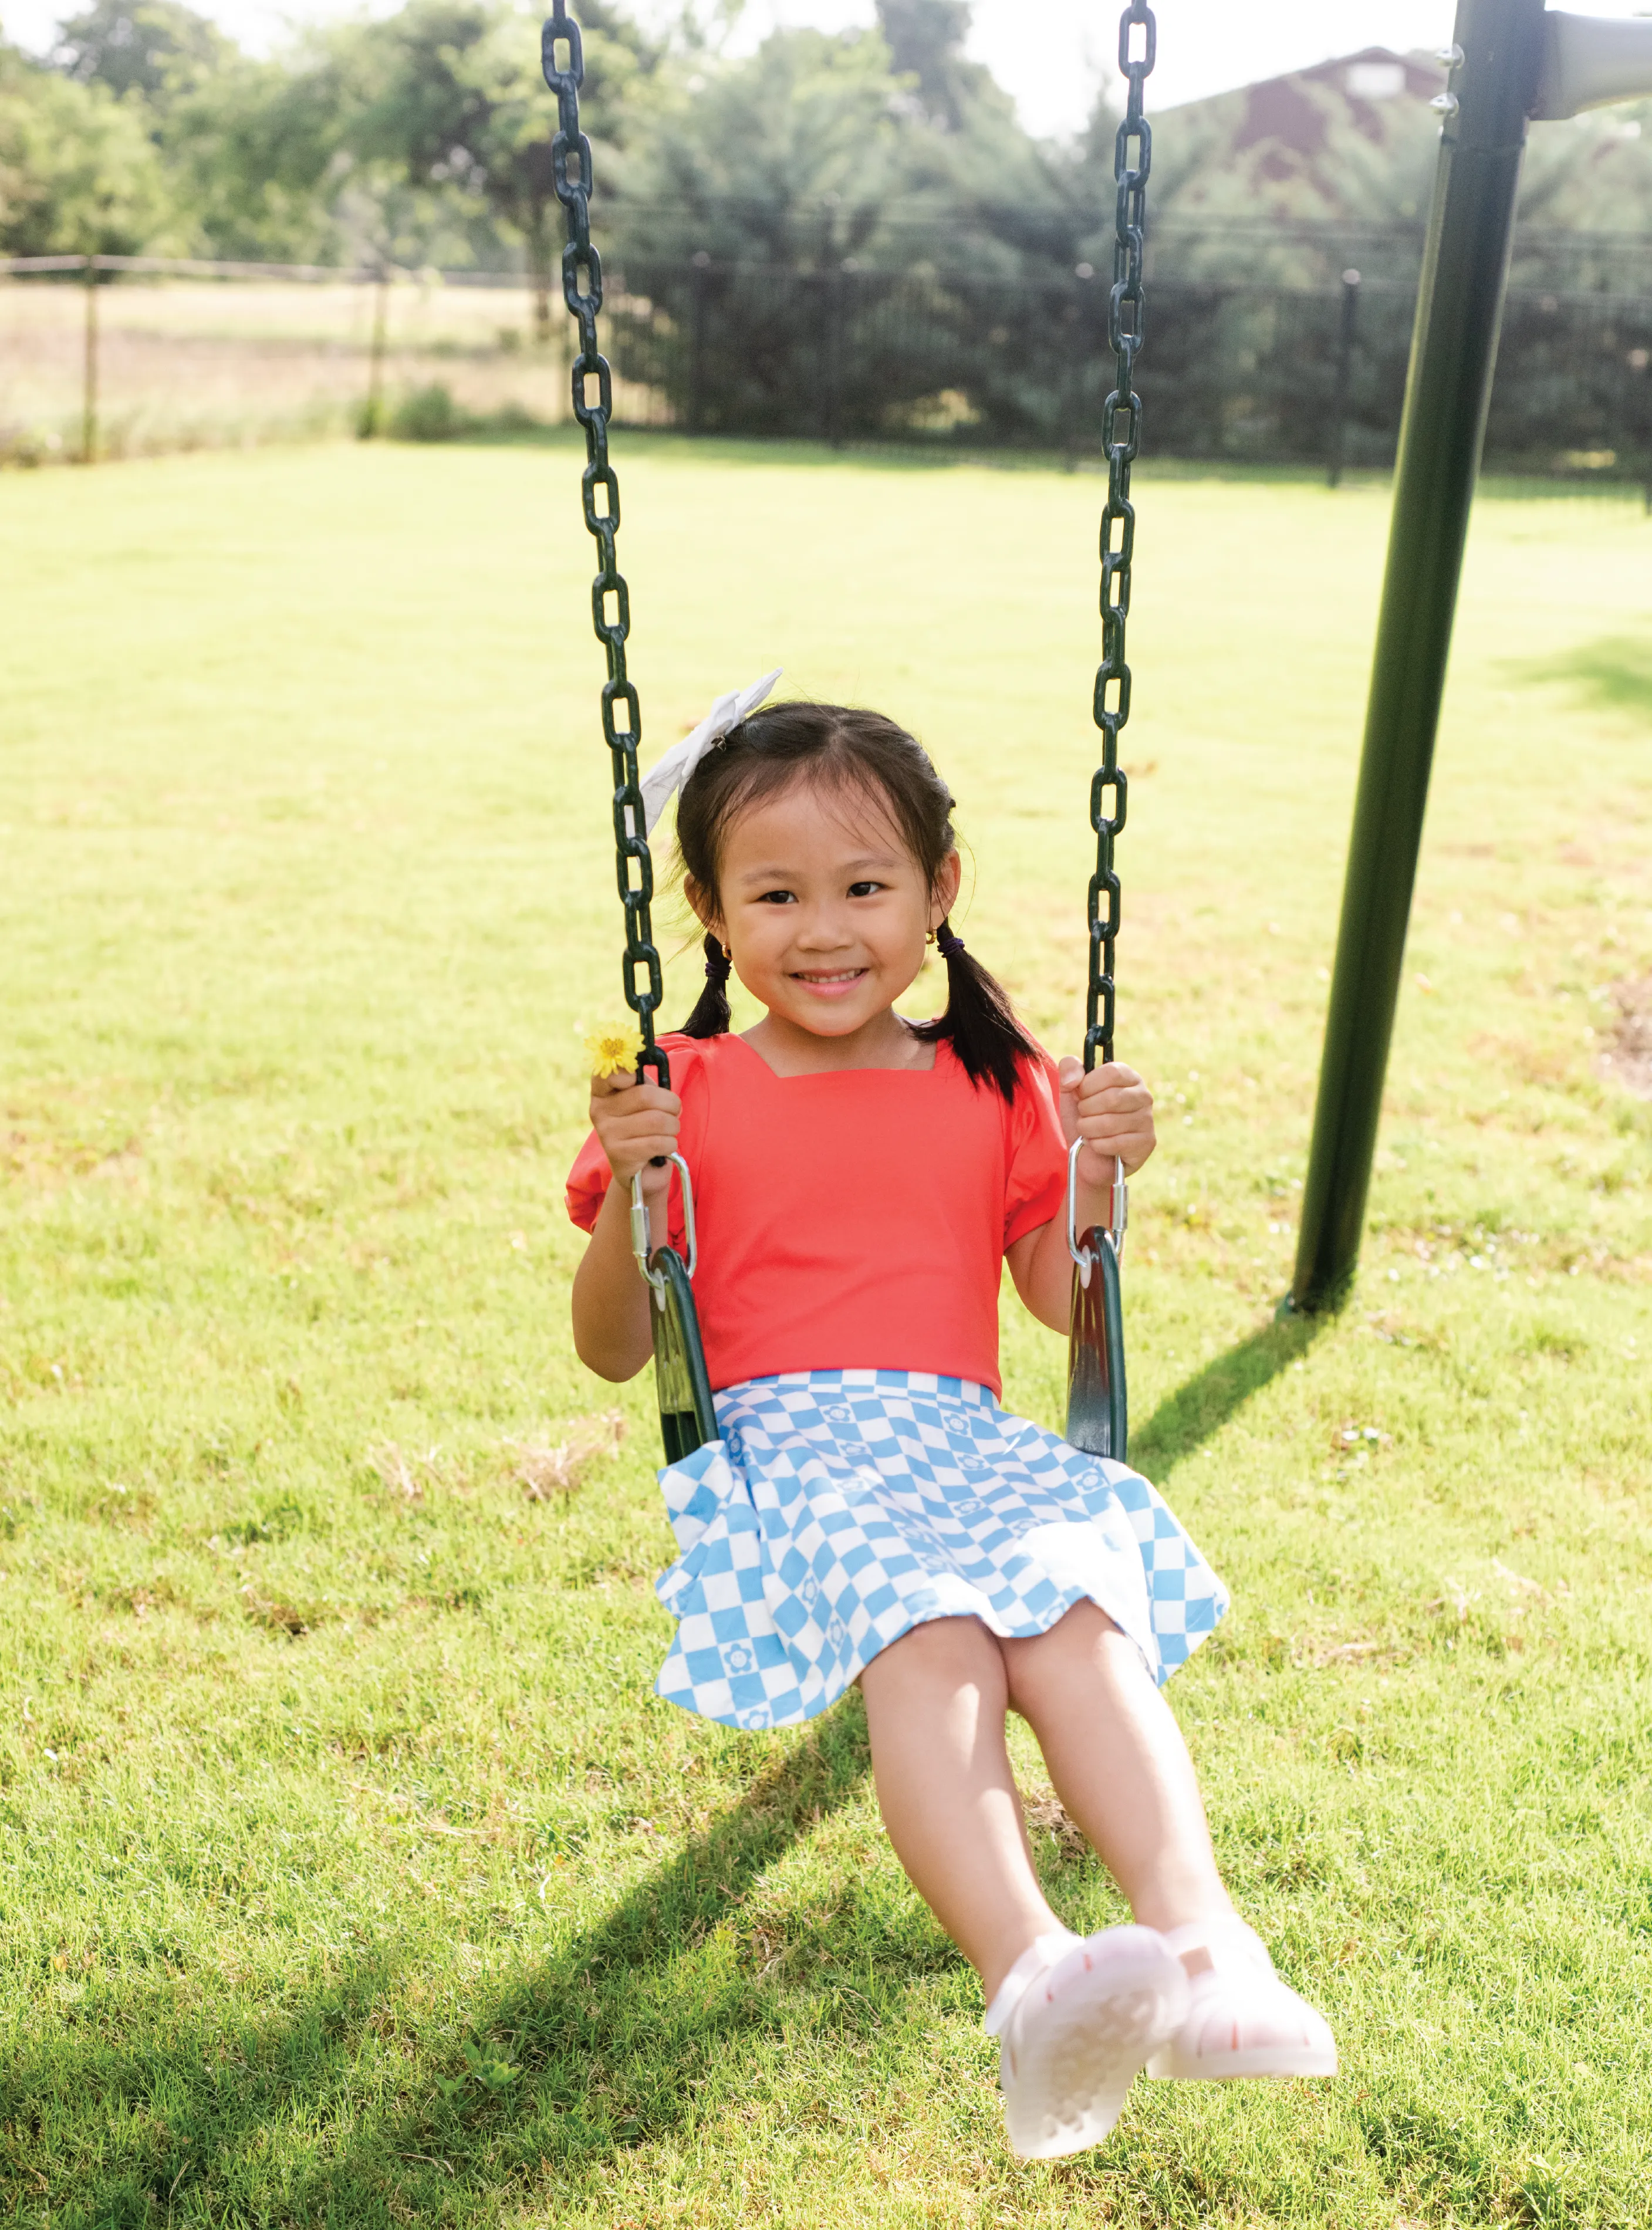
(1232,372)
(163,354)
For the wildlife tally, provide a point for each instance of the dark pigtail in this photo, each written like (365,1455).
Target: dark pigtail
(711,1016)
(979,1023)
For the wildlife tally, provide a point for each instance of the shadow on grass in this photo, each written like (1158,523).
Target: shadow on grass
(307,2117)
(1196,1412)
(509,429)
(311,2116)
(1612,674)
(893,455)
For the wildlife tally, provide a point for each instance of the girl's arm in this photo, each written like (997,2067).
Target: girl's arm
(634,1121)
(1112,1110)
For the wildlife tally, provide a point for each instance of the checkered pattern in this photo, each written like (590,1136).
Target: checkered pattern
(840,1508)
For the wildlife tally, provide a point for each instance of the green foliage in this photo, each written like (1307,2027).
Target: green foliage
(1591,172)
(249,148)
(424,137)
(818,151)
(156,136)
(154,48)
(786,157)
(430,414)
(448,95)
(421,138)
(255,148)
(1209,172)
(926,42)
(488,2069)
(79,173)
(351,1872)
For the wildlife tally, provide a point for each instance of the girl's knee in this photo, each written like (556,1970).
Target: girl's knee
(958,1651)
(1035,1662)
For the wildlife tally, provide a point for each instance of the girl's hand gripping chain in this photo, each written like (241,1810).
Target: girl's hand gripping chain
(637,1124)
(1112,1110)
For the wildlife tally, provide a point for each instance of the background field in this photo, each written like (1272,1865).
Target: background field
(202,363)
(348,1871)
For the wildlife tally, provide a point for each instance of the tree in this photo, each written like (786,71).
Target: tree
(1591,173)
(815,153)
(925,41)
(154,48)
(79,173)
(862,269)
(251,146)
(256,147)
(449,93)
(789,156)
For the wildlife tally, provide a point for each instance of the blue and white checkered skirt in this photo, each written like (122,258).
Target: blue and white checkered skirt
(841,1508)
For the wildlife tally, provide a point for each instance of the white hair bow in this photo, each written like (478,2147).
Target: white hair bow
(669,774)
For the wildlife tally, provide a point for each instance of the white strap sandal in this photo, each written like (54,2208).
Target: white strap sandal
(1242,2019)
(1079,2019)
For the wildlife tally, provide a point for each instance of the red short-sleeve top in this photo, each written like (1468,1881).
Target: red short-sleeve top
(858,1218)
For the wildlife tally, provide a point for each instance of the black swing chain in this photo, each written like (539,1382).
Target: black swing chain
(571,171)
(1132,159)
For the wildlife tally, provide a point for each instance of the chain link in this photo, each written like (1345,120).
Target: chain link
(1121,435)
(610,600)
(582,288)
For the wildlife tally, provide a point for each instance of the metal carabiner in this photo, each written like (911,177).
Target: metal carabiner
(641,1239)
(1120,1206)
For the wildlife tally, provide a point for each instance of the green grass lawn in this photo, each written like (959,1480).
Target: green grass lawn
(351,1872)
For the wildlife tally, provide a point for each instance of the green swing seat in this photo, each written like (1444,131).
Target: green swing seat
(1098,1419)
(688,1418)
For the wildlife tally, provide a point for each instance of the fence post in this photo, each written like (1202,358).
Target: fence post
(834,282)
(1345,373)
(372,415)
(1086,345)
(697,282)
(1495,60)
(89,368)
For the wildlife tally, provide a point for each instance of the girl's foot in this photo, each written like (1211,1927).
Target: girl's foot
(1079,2019)
(1242,2019)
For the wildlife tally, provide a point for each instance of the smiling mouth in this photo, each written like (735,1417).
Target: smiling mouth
(828,979)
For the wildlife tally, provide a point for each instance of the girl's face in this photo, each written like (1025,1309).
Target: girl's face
(825,910)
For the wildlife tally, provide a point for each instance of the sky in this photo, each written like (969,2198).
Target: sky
(1050,55)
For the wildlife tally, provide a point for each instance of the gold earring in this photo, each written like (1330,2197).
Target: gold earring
(929,936)
(728,952)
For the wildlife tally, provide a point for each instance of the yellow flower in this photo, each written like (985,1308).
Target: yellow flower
(612,1049)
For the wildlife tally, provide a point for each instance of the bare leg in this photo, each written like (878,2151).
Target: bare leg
(1119,1763)
(935,1706)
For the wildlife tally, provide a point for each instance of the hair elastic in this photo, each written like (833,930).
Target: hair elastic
(949,943)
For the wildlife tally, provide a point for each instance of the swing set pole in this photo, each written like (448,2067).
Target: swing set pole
(1497,58)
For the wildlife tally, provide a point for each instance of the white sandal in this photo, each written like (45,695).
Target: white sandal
(1240,2020)
(1079,2019)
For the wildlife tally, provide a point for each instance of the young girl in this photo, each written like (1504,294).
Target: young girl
(869,1514)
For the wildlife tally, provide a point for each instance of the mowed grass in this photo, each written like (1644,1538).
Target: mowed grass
(351,1874)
